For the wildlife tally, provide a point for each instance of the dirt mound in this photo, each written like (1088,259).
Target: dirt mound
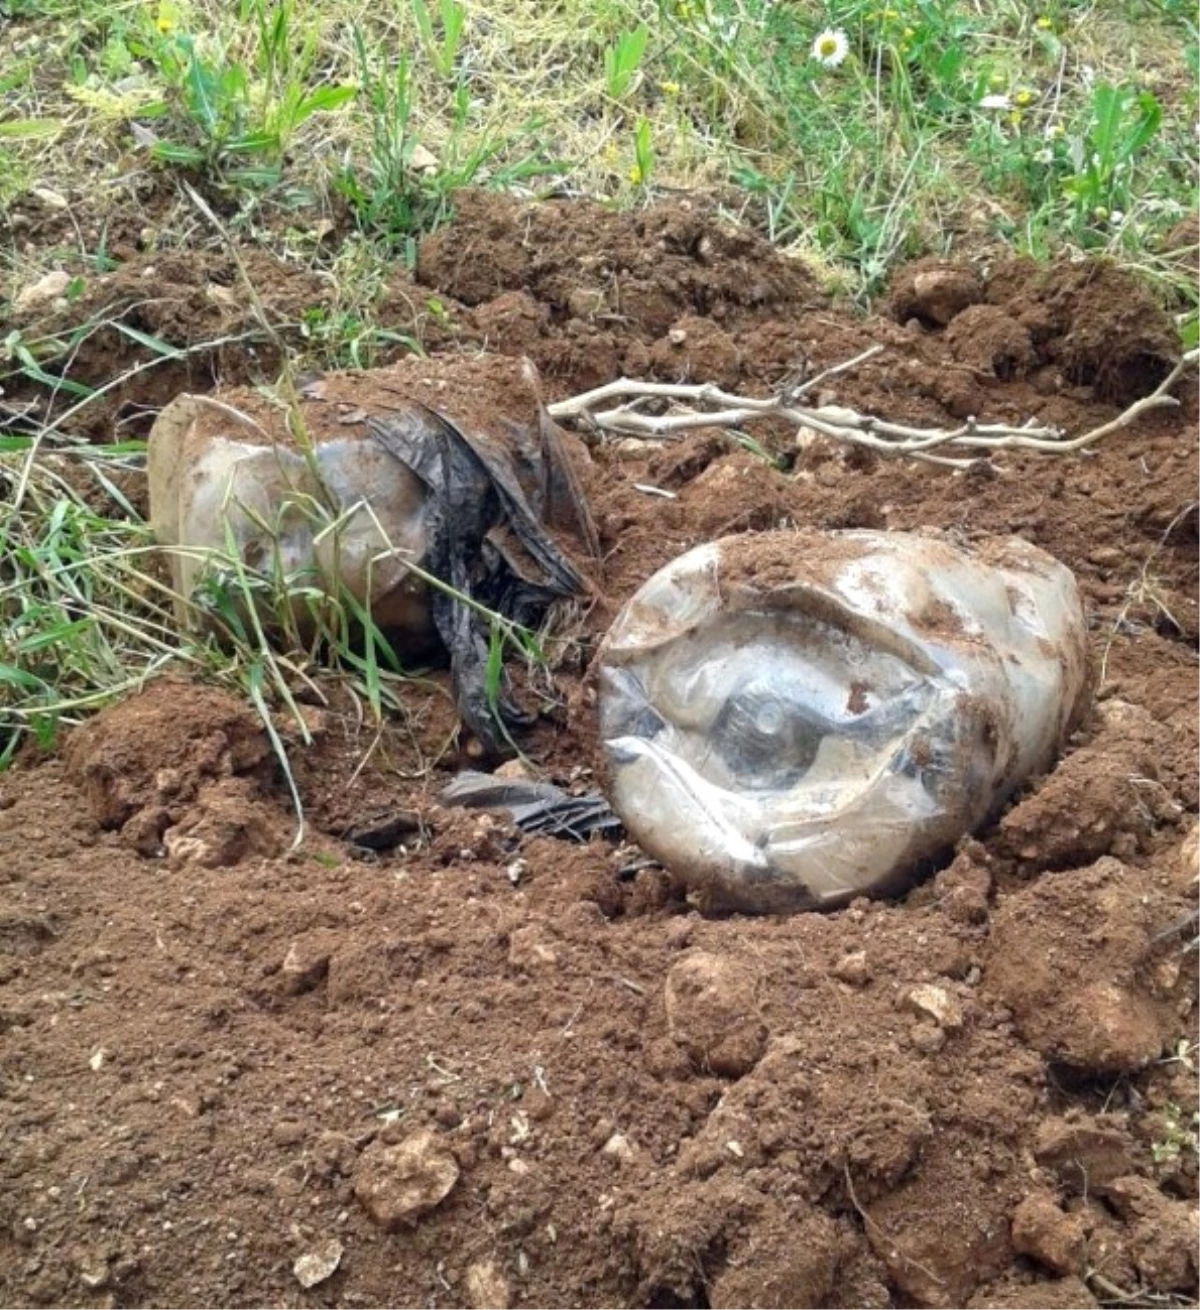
(587,291)
(190,789)
(229,1071)
(1091,323)
(205,327)
(643,269)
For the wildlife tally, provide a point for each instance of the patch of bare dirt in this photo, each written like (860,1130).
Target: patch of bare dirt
(422,1059)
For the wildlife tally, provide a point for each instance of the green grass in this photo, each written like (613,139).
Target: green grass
(890,154)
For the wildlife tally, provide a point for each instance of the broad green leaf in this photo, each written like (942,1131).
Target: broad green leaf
(323,100)
(177,154)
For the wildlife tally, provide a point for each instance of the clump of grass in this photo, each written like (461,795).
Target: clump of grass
(86,615)
(1048,128)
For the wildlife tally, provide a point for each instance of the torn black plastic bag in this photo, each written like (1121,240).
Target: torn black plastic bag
(488,543)
(534,807)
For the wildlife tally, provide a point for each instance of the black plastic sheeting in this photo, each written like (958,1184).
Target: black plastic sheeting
(489,515)
(534,807)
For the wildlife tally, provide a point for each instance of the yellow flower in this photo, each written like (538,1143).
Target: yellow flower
(166,17)
(1015,117)
(1045,24)
(1099,213)
(635,174)
(1023,97)
(909,33)
(669,88)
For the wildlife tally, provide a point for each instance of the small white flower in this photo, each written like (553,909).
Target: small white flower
(1045,156)
(1117,217)
(995,102)
(831,47)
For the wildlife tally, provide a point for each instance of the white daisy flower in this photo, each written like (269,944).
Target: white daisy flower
(831,47)
(995,102)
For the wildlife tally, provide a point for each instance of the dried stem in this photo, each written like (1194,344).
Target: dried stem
(704,406)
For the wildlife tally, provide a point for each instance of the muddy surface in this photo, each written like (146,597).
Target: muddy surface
(419,1059)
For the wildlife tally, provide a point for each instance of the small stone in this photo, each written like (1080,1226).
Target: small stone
(51,199)
(1106,555)
(939,294)
(423,160)
(287,1132)
(226,297)
(854,969)
(42,292)
(512,771)
(396,1185)
(807,438)
(1187,863)
(712,1012)
(618,1147)
(317,1265)
(486,1287)
(584,302)
(529,951)
(1040,1229)
(94,1273)
(632,448)
(306,963)
(936,1003)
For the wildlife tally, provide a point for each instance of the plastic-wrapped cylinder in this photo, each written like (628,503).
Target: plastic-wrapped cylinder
(792,720)
(219,484)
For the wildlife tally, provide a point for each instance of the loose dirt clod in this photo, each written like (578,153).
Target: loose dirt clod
(1042,1230)
(935,291)
(712,1012)
(1085,1151)
(398,1184)
(1070,957)
(486,1287)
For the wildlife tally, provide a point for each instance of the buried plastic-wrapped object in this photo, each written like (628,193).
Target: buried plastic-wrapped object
(792,720)
(414,472)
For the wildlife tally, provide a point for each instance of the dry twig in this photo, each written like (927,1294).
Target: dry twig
(704,406)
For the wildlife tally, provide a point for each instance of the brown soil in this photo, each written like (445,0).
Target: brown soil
(470,1068)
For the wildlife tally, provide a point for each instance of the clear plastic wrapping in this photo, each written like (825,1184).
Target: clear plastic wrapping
(795,719)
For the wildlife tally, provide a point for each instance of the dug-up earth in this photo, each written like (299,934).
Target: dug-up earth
(423,1060)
